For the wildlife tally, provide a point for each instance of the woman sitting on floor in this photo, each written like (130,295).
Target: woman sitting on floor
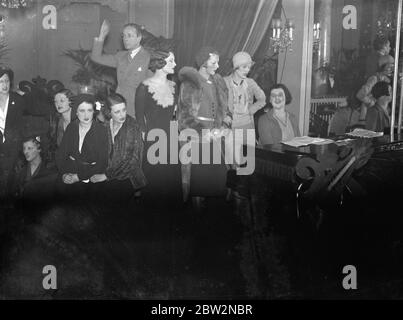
(83,151)
(278,125)
(35,181)
(123,175)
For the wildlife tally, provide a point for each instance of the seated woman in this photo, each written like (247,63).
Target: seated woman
(35,181)
(378,118)
(278,125)
(123,175)
(83,151)
(61,119)
(12,106)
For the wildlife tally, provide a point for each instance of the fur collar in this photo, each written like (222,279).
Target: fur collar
(163,95)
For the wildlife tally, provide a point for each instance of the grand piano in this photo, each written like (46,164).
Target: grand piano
(320,172)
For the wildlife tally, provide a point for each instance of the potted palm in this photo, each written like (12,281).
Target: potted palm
(90,77)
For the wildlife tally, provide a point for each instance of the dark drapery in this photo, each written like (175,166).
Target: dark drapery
(222,24)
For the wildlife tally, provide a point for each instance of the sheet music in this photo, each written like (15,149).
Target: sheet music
(305,140)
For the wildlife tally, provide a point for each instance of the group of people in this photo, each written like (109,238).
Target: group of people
(369,106)
(108,159)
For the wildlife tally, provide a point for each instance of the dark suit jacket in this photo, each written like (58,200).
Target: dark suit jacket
(12,144)
(93,158)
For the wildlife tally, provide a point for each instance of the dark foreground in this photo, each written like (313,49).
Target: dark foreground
(229,250)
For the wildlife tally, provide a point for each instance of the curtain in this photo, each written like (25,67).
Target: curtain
(221,24)
(260,25)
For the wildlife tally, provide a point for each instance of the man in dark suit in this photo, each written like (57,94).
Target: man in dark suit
(11,126)
(131,64)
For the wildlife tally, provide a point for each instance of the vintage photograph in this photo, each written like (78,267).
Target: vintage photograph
(201,150)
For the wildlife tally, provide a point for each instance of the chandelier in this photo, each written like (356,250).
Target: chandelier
(15,4)
(316,36)
(282,36)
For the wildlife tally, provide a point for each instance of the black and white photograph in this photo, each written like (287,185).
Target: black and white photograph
(226,151)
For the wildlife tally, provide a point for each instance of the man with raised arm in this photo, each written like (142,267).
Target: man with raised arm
(131,64)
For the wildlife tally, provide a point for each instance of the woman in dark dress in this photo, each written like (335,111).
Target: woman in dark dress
(123,176)
(155,109)
(83,151)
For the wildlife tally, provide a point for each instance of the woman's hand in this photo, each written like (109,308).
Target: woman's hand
(98,178)
(103,32)
(70,178)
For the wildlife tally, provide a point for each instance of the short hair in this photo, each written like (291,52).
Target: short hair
(112,99)
(69,95)
(136,27)
(9,72)
(83,97)
(157,60)
(35,139)
(380,42)
(380,89)
(288,96)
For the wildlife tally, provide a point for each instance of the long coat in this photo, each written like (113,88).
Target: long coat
(93,158)
(12,144)
(198,109)
(125,154)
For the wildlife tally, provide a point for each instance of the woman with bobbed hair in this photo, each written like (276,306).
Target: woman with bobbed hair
(83,151)
(35,180)
(278,125)
(155,108)
(59,120)
(12,106)
(123,175)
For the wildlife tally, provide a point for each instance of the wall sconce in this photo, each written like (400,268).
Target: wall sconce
(316,36)
(282,36)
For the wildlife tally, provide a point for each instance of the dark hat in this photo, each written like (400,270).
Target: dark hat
(8,71)
(203,55)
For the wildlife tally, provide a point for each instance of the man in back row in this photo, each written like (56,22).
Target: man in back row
(131,64)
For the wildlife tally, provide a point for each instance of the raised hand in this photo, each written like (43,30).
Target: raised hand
(98,178)
(103,32)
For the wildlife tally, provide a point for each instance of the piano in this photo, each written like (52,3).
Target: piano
(319,170)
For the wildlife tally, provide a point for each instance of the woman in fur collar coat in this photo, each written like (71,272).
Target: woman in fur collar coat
(203,105)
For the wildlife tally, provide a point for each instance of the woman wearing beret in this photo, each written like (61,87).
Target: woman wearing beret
(83,151)
(11,126)
(203,105)
(123,175)
(278,125)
